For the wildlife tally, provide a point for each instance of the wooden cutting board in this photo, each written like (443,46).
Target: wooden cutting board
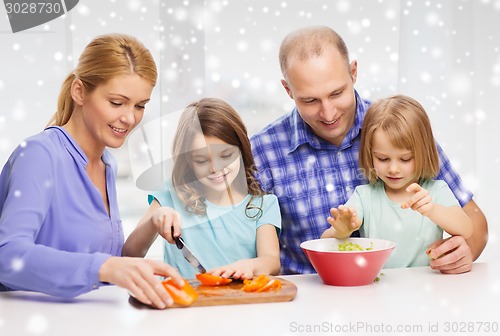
(231,294)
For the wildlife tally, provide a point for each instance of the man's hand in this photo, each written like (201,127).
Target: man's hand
(450,256)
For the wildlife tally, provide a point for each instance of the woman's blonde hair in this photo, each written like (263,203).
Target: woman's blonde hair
(103,59)
(217,119)
(407,125)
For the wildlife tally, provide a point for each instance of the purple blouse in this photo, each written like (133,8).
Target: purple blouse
(55,232)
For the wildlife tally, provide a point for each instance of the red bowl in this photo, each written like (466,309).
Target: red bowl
(347,268)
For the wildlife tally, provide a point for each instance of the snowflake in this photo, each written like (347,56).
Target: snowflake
(390,14)
(17,264)
(83,10)
(235,83)
(426,77)
(215,77)
(37,324)
(433,19)
(361,261)
(343,6)
(58,56)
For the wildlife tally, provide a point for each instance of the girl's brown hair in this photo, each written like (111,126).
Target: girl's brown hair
(103,59)
(407,125)
(213,118)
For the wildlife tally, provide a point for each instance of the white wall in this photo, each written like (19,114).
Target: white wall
(444,53)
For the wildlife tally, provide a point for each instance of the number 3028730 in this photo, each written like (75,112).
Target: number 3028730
(33,7)
(471,327)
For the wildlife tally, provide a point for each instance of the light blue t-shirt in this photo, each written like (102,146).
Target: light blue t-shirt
(411,231)
(224,235)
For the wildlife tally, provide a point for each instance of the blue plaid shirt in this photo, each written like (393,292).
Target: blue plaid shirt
(310,175)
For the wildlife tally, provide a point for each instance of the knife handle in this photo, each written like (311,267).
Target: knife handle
(177,241)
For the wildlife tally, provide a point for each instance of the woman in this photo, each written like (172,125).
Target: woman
(60,231)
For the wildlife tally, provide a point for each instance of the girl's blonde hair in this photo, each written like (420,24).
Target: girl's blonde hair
(217,119)
(407,125)
(103,59)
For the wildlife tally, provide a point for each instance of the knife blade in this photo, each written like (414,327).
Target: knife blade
(188,255)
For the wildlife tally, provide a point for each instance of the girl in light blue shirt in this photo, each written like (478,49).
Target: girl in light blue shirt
(213,199)
(402,203)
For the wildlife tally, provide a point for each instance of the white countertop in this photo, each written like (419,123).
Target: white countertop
(416,299)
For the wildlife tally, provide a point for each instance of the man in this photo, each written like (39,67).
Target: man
(309,157)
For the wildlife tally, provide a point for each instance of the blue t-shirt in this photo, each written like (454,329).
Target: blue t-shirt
(223,236)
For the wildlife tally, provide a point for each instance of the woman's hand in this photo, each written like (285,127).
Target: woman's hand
(344,221)
(167,222)
(140,277)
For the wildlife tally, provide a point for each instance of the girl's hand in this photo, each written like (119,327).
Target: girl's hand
(241,269)
(421,201)
(344,221)
(139,277)
(167,222)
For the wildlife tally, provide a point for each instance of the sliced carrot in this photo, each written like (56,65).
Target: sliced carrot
(212,280)
(273,284)
(184,295)
(261,283)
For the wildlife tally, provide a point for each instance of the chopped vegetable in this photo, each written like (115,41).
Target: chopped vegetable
(272,284)
(251,285)
(261,283)
(429,254)
(184,295)
(350,246)
(212,280)
(377,279)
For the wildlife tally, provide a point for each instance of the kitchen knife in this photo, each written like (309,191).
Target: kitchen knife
(188,255)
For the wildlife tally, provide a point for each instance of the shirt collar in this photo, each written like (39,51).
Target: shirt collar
(301,133)
(354,132)
(74,148)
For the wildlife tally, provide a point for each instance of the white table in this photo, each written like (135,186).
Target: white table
(420,300)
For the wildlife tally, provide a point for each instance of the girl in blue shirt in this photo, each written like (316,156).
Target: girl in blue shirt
(225,218)
(402,203)
(60,231)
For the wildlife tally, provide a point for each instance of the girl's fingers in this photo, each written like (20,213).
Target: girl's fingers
(414,187)
(176,223)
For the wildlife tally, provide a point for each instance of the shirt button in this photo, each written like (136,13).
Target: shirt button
(348,188)
(94,286)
